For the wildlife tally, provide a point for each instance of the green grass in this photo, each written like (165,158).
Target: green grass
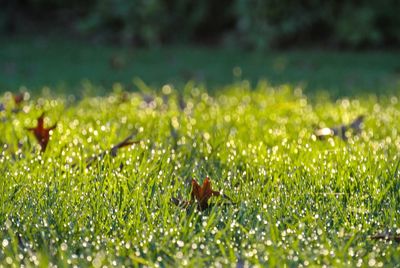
(298,201)
(64,64)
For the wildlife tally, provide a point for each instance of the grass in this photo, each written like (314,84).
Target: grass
(63,65)
(298,201)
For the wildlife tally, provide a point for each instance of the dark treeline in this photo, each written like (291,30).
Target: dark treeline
(243,23)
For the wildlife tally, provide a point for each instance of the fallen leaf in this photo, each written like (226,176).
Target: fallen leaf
(41,133)
(322,132)
(199,196)
(341,131)
(113,151)
(19,98)
(386,236)
(180,203)
(356,124)
(126,142)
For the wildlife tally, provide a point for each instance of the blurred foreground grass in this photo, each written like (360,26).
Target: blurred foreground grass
(64,65)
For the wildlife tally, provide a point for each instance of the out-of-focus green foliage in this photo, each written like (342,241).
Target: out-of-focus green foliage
(351,23)
(252,23)
(126,19)
(152,22)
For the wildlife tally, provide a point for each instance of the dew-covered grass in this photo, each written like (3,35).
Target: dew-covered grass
(297,201)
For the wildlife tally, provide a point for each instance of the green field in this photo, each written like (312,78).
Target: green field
(295,200)
(67,65)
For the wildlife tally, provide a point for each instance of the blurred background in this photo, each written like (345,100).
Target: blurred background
(340,47)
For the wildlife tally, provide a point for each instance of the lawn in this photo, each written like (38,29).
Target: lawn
(286,197)
(66,66)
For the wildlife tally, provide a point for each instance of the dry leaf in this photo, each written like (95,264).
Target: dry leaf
(19,98)
(113,151)
(180,203)
(199,195)
(341,131)
(124,143)
(387,236)
(356,124)
(41,133)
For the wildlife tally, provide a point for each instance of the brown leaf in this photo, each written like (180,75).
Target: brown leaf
(386,236)
(113,151)
(180,203)
(19,98)
(324,132)
(356,124)
(201,194)
(41,133)
(126,142)
(341,131)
